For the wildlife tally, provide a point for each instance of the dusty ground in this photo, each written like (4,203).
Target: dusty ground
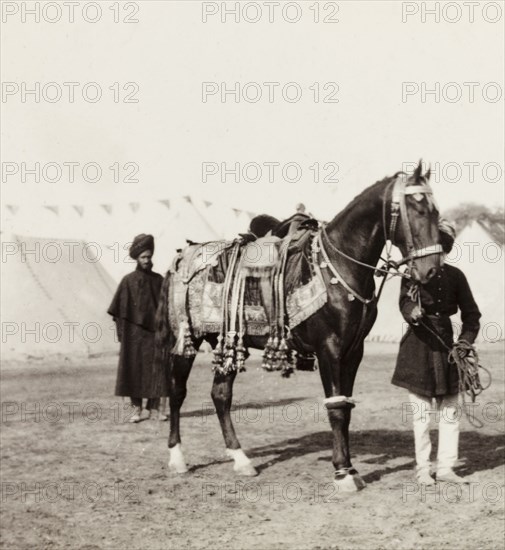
(75,474)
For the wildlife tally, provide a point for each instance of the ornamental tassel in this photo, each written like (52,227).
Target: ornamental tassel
(267,363)
(284,359)
(270,354)
(281,355)
(189,348)
(273,353)
(229,354)
(217,362)
(241,354)
(291,360)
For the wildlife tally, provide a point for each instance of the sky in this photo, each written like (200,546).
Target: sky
(344,108)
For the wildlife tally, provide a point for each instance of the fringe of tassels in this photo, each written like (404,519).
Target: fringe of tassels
(229,353)
(277,356)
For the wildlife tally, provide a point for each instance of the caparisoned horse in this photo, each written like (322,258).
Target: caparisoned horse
(398,210)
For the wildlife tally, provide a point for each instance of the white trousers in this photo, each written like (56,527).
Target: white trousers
(447,413)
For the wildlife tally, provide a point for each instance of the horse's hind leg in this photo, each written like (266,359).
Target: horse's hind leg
(179,373)
(222,393)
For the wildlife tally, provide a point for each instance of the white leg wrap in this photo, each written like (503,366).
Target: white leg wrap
(177,462)
(339,399)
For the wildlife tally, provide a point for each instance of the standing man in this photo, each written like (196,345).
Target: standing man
(422,366)
(133,309)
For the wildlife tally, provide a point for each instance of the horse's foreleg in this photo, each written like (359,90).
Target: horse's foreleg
(338,389)
(178,377)
(222,393)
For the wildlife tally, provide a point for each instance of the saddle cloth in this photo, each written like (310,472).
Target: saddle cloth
(198,277)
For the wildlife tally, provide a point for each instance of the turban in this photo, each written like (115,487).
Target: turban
(140,244)
(447,234)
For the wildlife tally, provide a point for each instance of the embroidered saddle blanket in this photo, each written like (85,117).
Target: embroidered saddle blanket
(200,271)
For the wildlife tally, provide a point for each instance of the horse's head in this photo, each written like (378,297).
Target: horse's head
(414,224)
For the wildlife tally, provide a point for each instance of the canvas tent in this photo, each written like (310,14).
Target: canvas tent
(54,296)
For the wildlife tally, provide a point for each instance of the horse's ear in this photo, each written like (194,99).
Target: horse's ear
(428,174)
(418,170)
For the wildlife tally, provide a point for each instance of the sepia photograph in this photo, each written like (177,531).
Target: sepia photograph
(252,275)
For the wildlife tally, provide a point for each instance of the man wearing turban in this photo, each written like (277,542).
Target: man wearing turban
(422,366)
(133,309)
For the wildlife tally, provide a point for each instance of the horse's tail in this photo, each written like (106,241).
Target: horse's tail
(163,337)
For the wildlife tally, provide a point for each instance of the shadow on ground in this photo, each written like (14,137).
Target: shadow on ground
(478,451)
(208,408)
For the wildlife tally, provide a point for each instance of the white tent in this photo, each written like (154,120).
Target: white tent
(54,296)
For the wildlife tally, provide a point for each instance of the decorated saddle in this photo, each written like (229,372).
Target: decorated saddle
(247,287)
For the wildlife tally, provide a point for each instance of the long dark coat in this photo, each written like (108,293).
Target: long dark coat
(422,366)
(133,309)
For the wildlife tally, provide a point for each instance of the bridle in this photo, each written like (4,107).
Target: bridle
(398,211)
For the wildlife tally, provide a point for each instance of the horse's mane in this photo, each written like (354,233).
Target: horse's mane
(364,195)
(371,190)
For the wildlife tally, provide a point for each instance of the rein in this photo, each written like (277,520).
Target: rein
(337,278)
(392,264)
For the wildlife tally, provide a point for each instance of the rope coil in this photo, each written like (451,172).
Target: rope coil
(463,356)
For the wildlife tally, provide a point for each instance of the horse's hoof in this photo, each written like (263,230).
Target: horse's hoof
(177,464)
(242,466)
(245,470)
(350,483)
(177,468)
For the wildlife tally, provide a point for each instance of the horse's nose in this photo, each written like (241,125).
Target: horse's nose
(431,273)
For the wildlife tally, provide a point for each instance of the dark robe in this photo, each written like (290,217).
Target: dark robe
(134,309)
(422,366)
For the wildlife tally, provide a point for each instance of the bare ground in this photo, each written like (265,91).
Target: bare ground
(76,474)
